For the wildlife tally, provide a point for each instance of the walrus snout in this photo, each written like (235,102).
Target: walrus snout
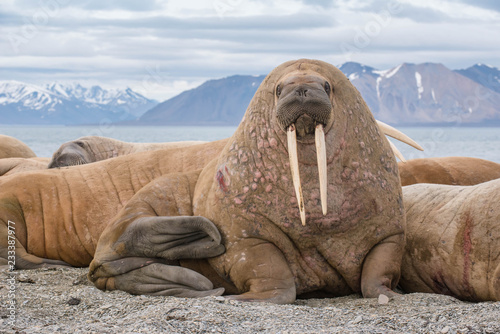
(308,103)
(304,108)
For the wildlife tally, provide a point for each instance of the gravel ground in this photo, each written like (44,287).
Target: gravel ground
(62,300)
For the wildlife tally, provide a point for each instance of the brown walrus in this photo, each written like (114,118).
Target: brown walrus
(448,170)
(9,166)
(11,147)
(59,214)
(453,238)
(94,148)
(284,236)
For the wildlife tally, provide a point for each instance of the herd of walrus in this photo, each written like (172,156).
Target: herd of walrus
(306,199)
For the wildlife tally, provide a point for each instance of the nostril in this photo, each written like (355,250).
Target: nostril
(301,92)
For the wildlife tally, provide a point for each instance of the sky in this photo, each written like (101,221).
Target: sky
(160,48)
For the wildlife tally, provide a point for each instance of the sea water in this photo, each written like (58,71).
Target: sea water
(481,142)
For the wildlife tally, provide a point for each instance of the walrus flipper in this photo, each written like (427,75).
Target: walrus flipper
(381,273)
(144,258)
(14,255)
(161,280)
(139,251)
(262,274)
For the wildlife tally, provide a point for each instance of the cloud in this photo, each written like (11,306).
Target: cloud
(487,4)
(320,3)
(404,10)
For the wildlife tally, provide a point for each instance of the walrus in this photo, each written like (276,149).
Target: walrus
(453,235)
(9,166)
(305,194)
(448,170)
(90,149)
(11,147)
(60,214)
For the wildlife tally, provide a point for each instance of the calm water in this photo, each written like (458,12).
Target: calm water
(438,142)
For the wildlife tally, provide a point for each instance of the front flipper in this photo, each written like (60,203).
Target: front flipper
(382,268)
(143,258)
(171,238)
(156,229)
(160,280)
(259,269)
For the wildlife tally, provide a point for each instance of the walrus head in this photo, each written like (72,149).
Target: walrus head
(71,154)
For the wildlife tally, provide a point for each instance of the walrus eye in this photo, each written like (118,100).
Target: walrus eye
(278,90)
(79,143)
(327,87)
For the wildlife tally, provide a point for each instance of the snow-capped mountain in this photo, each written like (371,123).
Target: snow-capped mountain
(22,103)
(426,93)
(408,94)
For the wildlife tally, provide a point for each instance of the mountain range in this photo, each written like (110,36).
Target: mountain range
(408,94)
(22,103)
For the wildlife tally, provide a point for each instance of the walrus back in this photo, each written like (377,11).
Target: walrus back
(463,171)
(452,240)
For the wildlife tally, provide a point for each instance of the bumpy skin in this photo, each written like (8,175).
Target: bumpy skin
(13,148)
(448,170)
(248,194)
(453,240)
(11,166)
(59,214)
(94,148)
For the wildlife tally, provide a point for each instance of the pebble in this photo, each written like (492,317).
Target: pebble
(383,299)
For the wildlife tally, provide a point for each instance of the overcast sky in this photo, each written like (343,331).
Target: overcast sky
(162,47)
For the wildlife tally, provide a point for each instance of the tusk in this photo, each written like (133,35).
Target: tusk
(321,152)
(396,134)
(294,167)
(396,152)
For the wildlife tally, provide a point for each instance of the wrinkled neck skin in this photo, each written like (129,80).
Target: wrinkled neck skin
(250,193)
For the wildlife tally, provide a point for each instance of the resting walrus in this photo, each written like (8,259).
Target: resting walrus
(94,148)
(448,170)
(453,238)
(11,147)
(60,214)
(306,196)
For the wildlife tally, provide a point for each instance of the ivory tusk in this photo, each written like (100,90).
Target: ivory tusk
(321,153)
(294,167)
(396,134)
(396,151)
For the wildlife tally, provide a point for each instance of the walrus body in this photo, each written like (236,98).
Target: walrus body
(448,170)
(247,192)
(94,148)
(59,214)
(9,166)
(453,238)
(11,147)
